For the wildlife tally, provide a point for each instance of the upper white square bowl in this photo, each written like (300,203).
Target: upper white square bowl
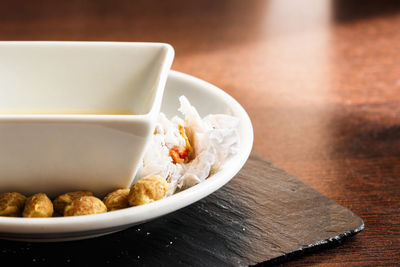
(61,127)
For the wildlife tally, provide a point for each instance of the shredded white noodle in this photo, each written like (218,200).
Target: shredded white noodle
(214,139)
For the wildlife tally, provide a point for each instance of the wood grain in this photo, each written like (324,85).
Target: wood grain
(319,79)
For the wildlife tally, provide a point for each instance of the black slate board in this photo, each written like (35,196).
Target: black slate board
(263,215)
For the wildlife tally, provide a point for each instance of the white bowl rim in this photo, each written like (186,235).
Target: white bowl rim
(40,117)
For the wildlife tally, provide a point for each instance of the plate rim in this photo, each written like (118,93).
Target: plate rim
(136,215)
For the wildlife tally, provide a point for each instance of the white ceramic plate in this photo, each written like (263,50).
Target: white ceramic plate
(207,99)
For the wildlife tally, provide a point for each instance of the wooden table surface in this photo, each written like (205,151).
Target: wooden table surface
(319,79)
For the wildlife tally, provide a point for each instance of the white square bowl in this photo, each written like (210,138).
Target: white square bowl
(59,103)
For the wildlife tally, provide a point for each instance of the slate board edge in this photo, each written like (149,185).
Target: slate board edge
(330,242)
(326,243)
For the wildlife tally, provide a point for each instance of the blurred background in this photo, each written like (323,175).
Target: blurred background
(320,80)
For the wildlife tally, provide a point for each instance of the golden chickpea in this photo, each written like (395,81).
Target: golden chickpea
(117,200)
(65,199)
(148,189)
(11,204)
(85,205)
(38,205)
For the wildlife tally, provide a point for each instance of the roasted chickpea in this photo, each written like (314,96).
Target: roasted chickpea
(148,189)
(38,205)
(65,199)
(117,200)
(11,204)
(85,205)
